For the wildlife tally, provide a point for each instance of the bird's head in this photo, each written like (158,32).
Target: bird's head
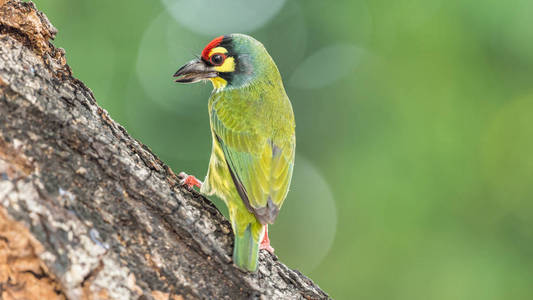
(230,61)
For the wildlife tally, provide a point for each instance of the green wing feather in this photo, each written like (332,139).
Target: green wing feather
(256,135)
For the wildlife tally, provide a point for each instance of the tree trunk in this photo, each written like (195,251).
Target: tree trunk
(86,211)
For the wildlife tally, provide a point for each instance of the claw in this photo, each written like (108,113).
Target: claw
(189,181)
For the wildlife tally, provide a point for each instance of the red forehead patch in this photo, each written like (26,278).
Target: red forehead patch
(211,45)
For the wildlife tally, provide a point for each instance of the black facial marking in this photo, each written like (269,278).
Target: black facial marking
(227,42)
(228,76)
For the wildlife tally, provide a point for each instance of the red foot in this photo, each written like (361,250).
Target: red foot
(265,243)
(189,181)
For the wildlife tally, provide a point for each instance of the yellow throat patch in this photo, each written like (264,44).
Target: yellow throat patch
(218,82)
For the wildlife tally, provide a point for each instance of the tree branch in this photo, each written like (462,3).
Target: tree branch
(86,211)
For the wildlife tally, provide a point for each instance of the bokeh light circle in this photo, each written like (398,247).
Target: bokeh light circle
(326,66)
(176,113)
(211,17)
(164,47)
(305,229)
(289,43)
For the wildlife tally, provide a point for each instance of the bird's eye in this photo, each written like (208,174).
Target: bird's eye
(217,59)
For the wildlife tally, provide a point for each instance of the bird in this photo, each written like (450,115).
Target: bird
(253,138)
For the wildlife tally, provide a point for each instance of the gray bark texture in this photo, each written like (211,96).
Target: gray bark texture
(88,212)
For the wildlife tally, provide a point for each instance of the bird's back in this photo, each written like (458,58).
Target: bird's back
(254,129)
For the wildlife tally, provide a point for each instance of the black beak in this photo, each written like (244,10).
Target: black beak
(194,71)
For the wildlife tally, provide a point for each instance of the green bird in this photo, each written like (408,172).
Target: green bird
(252,127)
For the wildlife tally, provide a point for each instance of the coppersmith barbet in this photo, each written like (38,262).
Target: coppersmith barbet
(252,127)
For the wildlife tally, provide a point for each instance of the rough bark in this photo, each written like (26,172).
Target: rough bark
(86,211)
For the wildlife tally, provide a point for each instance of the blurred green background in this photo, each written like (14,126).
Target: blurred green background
(413,176)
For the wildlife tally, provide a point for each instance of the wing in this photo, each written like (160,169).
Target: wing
(257,138)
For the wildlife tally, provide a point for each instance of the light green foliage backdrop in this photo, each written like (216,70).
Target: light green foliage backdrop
(414,166)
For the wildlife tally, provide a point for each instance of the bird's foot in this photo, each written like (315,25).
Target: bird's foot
(266,247)
(265,243)
(189,181)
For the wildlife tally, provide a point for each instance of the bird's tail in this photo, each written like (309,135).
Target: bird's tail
(246,248)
